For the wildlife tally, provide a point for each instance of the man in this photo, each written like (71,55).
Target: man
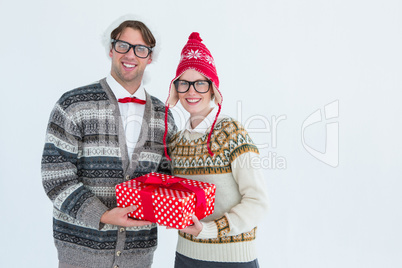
(94,142)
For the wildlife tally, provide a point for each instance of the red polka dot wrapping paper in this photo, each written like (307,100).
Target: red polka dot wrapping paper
(171,208)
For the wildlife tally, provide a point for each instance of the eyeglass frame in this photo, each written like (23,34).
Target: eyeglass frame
(114,41)
(192,84)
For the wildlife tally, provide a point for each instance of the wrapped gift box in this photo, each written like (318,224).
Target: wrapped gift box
(166,200)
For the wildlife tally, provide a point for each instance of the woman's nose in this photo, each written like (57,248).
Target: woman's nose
(192,89)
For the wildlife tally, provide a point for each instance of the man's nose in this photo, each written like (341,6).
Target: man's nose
(130,52)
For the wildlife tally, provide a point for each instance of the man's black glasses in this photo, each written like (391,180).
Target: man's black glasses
(123,47)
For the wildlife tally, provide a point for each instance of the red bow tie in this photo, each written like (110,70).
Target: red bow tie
(131,99)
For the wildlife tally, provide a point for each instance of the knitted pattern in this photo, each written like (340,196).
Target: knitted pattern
(228,140)
(84,157)
(248,236)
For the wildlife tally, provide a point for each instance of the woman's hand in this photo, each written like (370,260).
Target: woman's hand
(194,229)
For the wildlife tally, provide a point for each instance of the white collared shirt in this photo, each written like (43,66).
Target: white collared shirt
(205,124)
(132,113)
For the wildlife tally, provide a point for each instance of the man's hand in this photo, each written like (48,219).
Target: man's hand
(118,216)
(194,229)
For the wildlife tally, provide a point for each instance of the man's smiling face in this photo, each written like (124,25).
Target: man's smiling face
(127,68)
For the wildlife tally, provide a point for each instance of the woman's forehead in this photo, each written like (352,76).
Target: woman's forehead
(192,75)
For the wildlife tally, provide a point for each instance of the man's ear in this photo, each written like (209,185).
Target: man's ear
(111,53)
(150,59)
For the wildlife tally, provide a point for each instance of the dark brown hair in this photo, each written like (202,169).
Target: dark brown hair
(136,25)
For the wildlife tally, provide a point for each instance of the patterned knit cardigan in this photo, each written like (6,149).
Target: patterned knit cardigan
(85,156)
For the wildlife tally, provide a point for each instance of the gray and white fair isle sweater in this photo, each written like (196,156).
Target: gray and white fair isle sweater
(84,157)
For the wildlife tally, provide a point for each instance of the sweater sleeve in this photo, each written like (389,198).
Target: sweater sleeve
(60,176)
(253,206)
(254,202)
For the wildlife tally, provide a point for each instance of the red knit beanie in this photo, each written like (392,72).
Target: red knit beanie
(195,55)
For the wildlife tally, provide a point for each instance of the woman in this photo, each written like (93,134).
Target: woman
(217,150)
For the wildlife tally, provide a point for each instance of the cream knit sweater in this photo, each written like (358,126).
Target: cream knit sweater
(228,235)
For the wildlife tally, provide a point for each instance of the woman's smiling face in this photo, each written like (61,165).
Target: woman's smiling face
(197,104)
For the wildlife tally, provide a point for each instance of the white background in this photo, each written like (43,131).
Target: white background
(274,58)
